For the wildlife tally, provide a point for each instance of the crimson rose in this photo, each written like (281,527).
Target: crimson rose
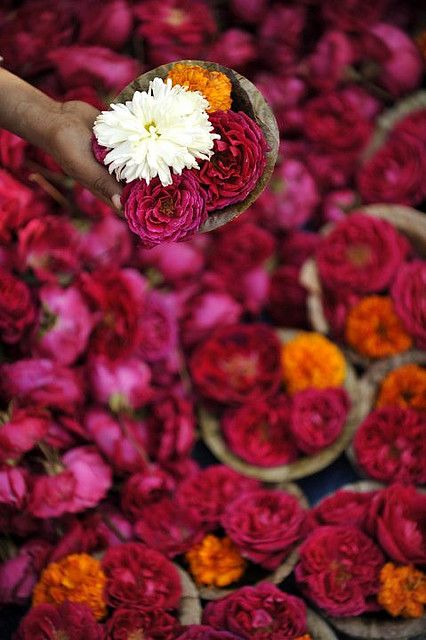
(265,525)
(339,570)
(140,577)
(237,364)
(70,621)
(127,623)
(238,161)
(17,312)
(409,299)
(202,632)
(344,508)
(262,612)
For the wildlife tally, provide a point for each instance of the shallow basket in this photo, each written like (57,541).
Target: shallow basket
(374,627)
(245,97)
(284,570)
(369,387)
(318,628)
(212,436)
(408,221)
(190,607)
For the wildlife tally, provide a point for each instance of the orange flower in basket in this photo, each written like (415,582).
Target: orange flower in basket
(374,330)
(405,387)
(215,561)
(214,85)
(312,361)
(77,578)
(402,591)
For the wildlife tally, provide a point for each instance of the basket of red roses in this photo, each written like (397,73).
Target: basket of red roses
(360,565)
(275,405)
(196,144)
(390,443)
(366,280)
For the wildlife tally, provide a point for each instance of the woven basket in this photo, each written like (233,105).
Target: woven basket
(369,387)
(212,436)
(375,627)
(245,97)
(318,628)
(189,608)
(284,570)
(410,222)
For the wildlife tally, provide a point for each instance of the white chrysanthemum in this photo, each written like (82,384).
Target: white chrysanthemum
(166,127)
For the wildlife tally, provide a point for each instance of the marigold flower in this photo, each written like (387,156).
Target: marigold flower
(76,578)
(402,590)
(312,361)
(215,561)
(374,330)
(307,636)
(213,85)
(405,387)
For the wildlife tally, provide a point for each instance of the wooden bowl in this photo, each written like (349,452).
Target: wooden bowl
(211,434)
(245,97)
(408,221)
(284,570)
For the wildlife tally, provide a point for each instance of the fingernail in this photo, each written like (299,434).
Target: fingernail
(116,200)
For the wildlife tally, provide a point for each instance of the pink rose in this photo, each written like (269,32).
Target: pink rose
(106,24)
(20,431)
(344,507)
(331,56)
(262,612)
(339,569)
(121,385)
(409,299)
(234,48)
(260,432)
(337,203)
(18,205)
(12,151)
(280,34)
(238,162)
(157,326)
(13,487)
(175,261)
(170,425)
(64,326)
(70,620)
(249,10)
(318,417)
(204,311)
(77,65)
(353,15)
(164,214)
(265,525)
(17,311)
(104,242)
(145,488)
(284,94)
(211,490)
(19,574)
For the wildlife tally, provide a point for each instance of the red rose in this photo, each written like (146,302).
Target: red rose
(203,311)
(287,298)
(318,417)
(19,574)
(390,445)
(238,161)
(203,632)
(106,24)
(18,205)
(339,570)
(164,214)
(168,527)
(157,326)
(395,172)
(211,490)
(328,62)
(69,620)
(238,364)
(128,623)
(234,48)
(103,242)
(240,248)
(123,385)
(398,520)
(260,432)
(362,254)
(20,432)
(409,299)
(12,151)
(265,525)
(281,35)
(263,612)
(13,487)
(353,15)
(343,508)
(140,577)
(145,488)
(17,312)
(298,246)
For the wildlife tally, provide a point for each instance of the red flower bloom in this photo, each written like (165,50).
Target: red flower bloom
(260,432)
(238,162)
(69,620)
(408,295)
(21,431)
(165,214)
(263,612)
(127,623)
(240,247)
(343,508)
(144,489)
(287,299)
(17,312)
(390,445)
(318,417)
(19,574)
(265,525)
(203,632)
(140,577)
(339,570)
(238,364)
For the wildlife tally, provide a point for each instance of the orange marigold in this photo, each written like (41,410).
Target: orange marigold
(215,86)
(77,578)
(374,330)
(310,360)
(307,636)
(402,590)
(215,561)
(405,387)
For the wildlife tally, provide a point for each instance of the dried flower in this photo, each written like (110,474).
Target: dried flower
(312,361)
(405,387)
(160,129)
(402,590)
(76,578)
(213,85)
(374,330)
(215,561)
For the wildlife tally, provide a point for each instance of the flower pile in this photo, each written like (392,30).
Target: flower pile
(109,349)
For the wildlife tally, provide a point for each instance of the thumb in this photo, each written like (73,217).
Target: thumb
(103,185)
